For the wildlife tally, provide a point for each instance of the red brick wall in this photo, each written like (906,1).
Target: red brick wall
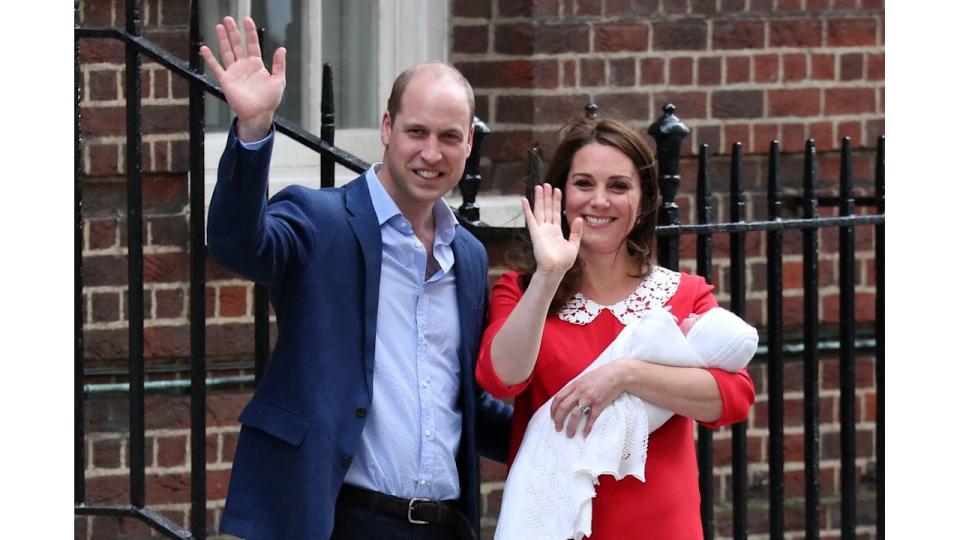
(783,69)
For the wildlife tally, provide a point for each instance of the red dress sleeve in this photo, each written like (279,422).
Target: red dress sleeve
(736,389)
(504,297)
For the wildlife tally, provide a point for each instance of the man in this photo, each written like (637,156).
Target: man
(367,419)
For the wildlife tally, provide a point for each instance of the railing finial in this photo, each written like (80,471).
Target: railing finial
(591,111)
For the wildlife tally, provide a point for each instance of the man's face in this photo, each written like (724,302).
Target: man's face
(427,143)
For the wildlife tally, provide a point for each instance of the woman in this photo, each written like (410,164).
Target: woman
(592,232)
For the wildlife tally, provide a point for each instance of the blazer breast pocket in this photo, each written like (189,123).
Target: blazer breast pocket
(285,425)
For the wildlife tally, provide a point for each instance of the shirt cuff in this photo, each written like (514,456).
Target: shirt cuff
(255,145)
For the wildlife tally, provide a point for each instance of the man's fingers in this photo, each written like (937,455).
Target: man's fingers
(226,52)
(236,42)
(211,62)
(279,66)
(253,41)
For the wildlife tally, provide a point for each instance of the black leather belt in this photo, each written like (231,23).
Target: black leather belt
(418,511)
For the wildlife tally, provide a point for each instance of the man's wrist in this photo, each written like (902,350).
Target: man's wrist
(251,130)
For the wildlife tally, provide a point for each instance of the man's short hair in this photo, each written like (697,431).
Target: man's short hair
(441,70)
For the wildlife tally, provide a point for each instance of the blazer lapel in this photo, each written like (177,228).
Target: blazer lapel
(467,305)
(363,220)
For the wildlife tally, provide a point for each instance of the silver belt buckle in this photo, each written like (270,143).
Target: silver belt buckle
(410,511)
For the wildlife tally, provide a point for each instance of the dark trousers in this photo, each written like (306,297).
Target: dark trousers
(358,523)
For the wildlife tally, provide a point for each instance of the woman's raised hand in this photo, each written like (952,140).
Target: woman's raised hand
(251,91)
(554,253)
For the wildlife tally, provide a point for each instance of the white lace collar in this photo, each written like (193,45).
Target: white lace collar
(654,291)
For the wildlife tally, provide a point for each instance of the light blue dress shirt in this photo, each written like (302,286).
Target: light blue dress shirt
(410,440)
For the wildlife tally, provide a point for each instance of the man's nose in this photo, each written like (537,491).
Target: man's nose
(431,150)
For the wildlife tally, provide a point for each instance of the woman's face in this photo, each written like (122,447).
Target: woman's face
(603,188)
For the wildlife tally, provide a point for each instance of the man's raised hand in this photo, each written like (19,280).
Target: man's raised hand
(251,91)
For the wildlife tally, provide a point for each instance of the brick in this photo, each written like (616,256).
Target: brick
(175,14)
(688,35)
(709,71)
(766,68)
(652,71)
(709,135)
(179,156)
(737,104)
(629,106)
(623,72)
(233,301)
(515,109)
(800,102)
(738,34)
(817,6)
(737,69)
(588,7)
(592,72)
(851,32)
(823,67)
(168,231)
(681,71)
(107,453)
(875,66)
(795,33)
(872,5)
(171,451)
(570,73)
(103,233)
(789,5)
(792,137)
(849,101)
(728,6)
(851,67)
(230,339)
(105,307)
(546,8)
(229,446)
(643,8)
(761,6)
(103,85)
(621,36)
(470,39)
(471,8)
(510,74)
(734,133)
(821,131)
(166,267)
(689,105)
(166,341)
(850,128)
(762,135)
(515,8)
(513,39)
(794,67)
(165,118)
(171,303)
(560,38)
(508,145)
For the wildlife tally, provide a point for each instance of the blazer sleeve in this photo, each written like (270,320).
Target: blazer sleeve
(247,235)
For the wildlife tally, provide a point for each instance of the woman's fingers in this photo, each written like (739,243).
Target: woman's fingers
(557,200)
(576,232)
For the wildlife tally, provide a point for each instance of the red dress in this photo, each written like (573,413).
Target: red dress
(667,505)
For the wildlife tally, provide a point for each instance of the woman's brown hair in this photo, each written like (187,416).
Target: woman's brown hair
(639,241)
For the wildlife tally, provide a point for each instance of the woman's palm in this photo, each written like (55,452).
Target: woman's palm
(552,251)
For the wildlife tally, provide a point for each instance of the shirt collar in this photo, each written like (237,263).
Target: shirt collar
(386,209)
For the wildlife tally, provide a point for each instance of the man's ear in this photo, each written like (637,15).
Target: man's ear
(386,127)
(470,139)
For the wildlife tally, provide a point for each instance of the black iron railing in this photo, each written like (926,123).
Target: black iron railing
(668,132)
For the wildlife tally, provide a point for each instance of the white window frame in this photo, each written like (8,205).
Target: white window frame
(400,46)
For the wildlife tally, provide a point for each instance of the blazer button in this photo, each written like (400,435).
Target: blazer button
(346,462)
(361,412)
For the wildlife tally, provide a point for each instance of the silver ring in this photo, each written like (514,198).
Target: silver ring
(584,410)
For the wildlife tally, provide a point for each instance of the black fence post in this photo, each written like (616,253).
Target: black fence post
(668,131)
(879,319)
(327,126)
(470,182)
(705,269)
(78,311)
(198,285)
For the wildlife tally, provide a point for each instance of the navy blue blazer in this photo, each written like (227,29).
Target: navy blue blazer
(319,252)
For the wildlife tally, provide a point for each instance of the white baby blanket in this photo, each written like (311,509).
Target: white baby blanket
(550,486)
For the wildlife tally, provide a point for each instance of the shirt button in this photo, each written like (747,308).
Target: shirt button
(361,412)
(428,433)
(425,383)
(418,244)
(423,482)
(345,462)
